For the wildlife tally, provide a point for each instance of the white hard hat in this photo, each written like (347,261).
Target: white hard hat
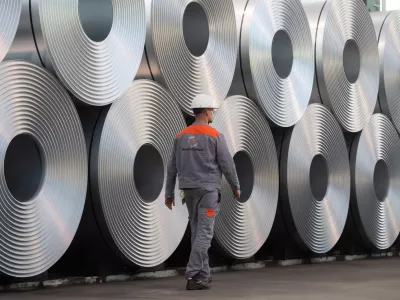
(203,101)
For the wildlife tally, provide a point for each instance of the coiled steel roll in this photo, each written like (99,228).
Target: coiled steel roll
(315,180)
(347,61)
(387,26)
(191,47)
(375,173)
(243,225)
(95,58)
(131,147)
(44,171)
(10,12)
(276,58)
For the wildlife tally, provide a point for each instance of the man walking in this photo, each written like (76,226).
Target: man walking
(199,156)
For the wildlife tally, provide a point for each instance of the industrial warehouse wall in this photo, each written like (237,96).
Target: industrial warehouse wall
(93,93)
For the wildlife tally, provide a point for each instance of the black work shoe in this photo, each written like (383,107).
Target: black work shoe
(193,284)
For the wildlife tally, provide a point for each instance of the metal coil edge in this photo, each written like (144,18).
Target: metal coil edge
(44,167)
(131,147)
(244,224)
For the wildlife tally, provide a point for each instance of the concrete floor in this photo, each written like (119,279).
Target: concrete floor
(366,279)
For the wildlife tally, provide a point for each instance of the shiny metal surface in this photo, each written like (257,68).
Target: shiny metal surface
(387,27)
(313,10)
(10,12)
(375,173)
(277,58)
(95,55)
(237,86)
(24,46)
(315,180)
(346,60)
(243,225)
(130,152)
(191,47)
(43,178)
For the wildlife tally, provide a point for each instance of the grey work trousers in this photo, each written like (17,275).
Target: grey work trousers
(203,207)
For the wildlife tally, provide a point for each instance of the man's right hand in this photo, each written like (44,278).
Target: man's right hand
(169,202)
(236,194)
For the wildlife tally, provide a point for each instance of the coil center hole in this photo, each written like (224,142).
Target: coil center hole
(351,61)
(245,172)
(195,29)
(381,180)
(148,173)
(23,168)
(282,53)
(319,177)
(96,18)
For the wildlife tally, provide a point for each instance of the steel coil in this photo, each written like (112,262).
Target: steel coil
(243,225)
(44,171)
(346,60)
(375,170)
(10,12)
(191,47)
(315,180)
(131,147)
(387,26)
(96,56)
(277,58)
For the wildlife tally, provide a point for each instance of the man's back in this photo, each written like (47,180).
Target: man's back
(196,157)
(200,154)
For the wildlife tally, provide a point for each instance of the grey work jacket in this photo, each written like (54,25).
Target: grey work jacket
(200,156)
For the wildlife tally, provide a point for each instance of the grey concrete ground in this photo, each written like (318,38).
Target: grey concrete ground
(376,279)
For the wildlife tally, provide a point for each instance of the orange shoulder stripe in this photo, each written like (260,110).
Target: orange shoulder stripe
(199,129)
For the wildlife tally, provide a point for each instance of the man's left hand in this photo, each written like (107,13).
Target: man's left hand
(169,202)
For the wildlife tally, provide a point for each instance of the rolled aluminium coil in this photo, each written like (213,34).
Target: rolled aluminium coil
(96,59)
(44,170)
(131,148)
(387,26)
(243,225)
(10,12)
(375,173)
(191,47)
(347,60)
(276,58)
(315,180)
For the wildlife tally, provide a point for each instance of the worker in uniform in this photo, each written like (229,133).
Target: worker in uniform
(199,156)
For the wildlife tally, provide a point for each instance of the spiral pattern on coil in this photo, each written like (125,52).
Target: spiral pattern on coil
(375,167)
(142,228)
(10,12)
(96,72)
(277,55)
(315,209)
(172,63)
(387,25)
(243,225)
(36,232)
(347,62)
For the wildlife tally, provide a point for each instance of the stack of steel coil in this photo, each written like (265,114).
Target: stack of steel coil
(133,70)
